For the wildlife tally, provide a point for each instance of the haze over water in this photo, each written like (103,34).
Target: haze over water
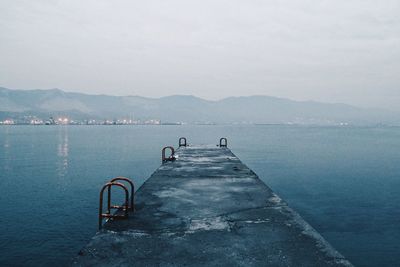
(345,181)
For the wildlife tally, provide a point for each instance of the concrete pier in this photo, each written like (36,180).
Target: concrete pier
(207,208)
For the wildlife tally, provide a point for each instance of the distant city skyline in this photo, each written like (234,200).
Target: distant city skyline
(329,51)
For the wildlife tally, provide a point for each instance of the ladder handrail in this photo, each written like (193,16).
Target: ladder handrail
(120,178)
(182,144)
(108,213)
(171,157)
(225,144)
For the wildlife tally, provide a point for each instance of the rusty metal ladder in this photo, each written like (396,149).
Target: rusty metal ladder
(125,208)
(182,142)
(171,157)
(223,142)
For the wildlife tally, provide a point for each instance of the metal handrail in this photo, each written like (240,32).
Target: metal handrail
(171,157)
(182,143)
(120,178)
(221,144)
(108,212)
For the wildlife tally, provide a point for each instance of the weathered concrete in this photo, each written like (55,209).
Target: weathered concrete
(208,209)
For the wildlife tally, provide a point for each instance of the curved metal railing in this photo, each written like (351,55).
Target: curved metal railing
(171,157)
(108,214)
(131,207)
(223,142)
(182,142)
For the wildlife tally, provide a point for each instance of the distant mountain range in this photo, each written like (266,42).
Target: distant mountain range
(184,108)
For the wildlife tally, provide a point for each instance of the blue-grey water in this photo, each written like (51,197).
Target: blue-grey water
(345,181)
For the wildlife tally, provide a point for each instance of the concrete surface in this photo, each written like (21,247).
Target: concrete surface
(208,209)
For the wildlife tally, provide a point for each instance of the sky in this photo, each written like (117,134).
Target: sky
(345,51)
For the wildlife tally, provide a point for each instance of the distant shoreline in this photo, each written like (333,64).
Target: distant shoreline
(219,124)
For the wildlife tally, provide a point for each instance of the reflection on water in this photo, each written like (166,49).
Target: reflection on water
(6,150)
(62,151)
(6,138)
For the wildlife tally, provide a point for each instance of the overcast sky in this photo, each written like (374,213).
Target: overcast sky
(334,51)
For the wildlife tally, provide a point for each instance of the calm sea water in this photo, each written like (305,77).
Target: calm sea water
(345,181)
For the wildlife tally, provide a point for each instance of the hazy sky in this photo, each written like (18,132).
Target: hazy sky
(334,51)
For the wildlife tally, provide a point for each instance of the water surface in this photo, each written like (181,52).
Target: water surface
(345,181)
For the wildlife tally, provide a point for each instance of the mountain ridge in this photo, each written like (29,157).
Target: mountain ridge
(185,108)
